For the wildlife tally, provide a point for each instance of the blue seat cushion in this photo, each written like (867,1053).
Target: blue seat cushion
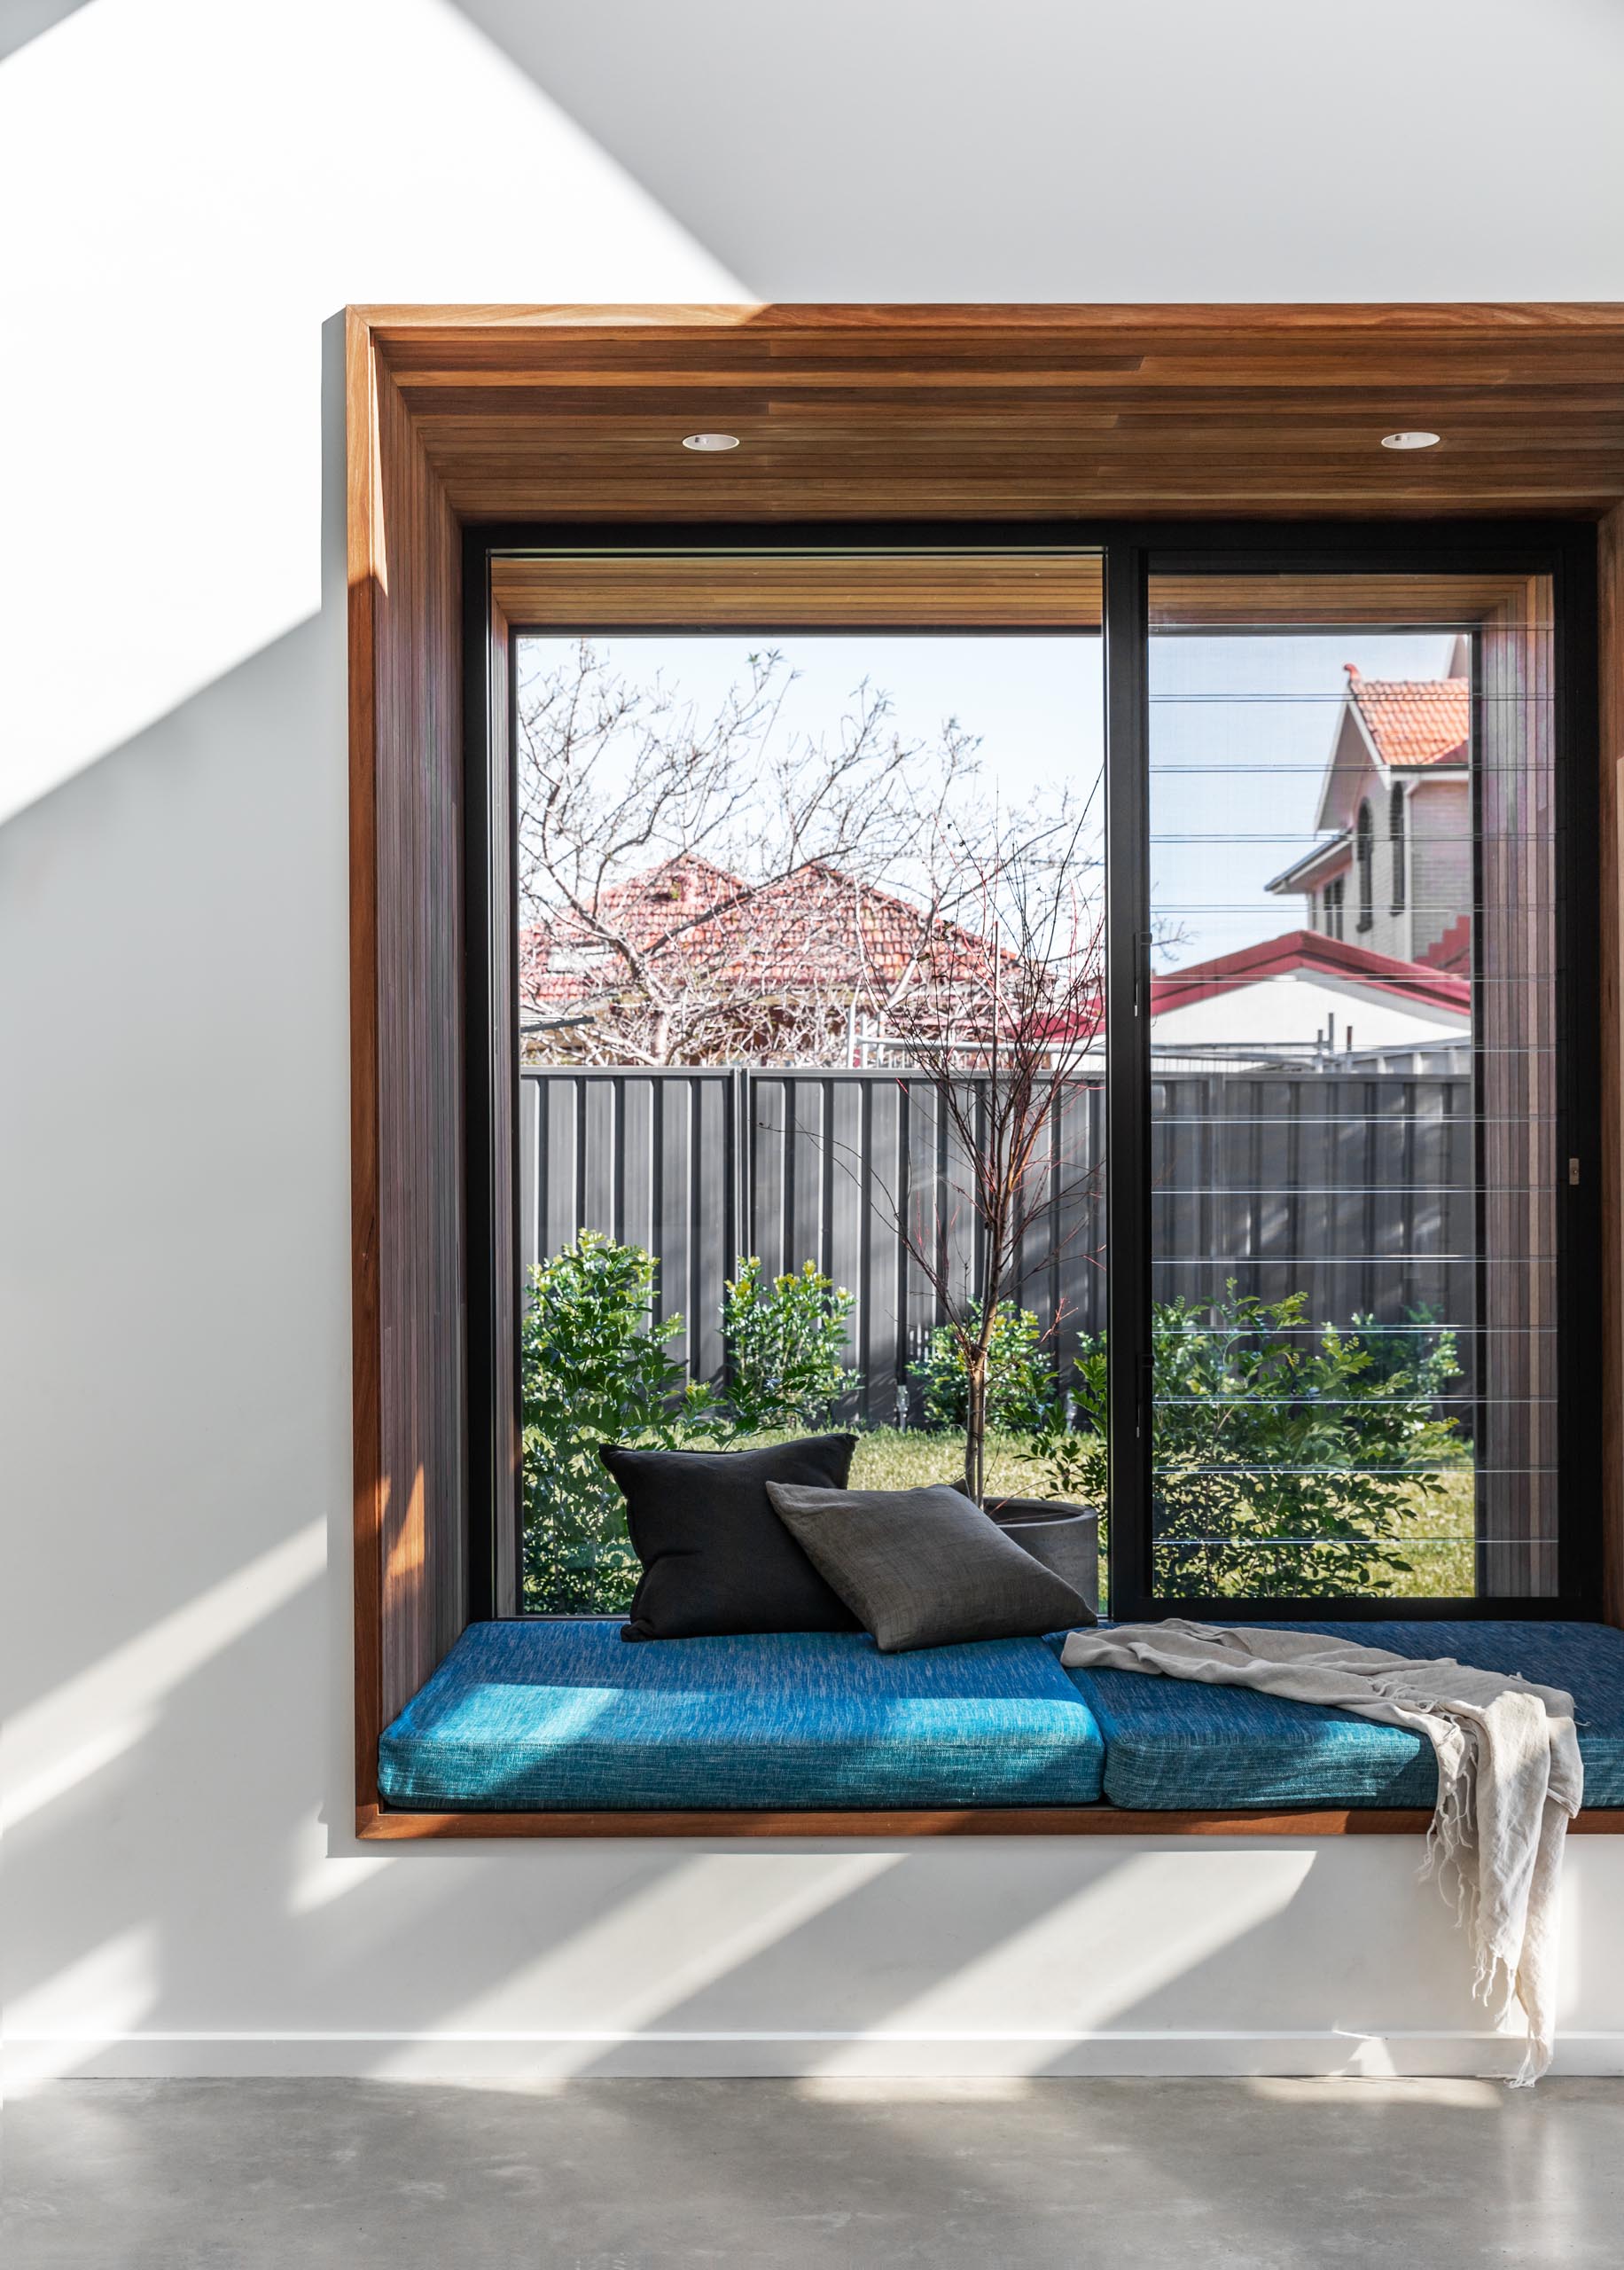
(1172,1744)
(541,1715)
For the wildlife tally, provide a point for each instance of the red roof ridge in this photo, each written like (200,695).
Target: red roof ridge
(1295,950)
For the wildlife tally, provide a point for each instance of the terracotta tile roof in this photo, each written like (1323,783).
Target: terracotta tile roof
(1414,720)
(813,932)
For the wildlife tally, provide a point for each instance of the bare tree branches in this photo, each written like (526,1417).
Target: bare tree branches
(657,850)
(706,888)
(1007,1037)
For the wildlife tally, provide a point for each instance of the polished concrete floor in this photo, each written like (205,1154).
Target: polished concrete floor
(637,2175)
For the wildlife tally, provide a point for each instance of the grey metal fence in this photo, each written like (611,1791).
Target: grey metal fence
(1353,1189)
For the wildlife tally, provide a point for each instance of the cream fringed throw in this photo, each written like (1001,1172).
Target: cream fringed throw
(1509,1774)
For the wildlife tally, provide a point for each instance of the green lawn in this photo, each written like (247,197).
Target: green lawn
(889,1460)
(1440,1553)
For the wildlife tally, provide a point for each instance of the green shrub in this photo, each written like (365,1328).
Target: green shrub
(1287,1461)
(1021,1378)
(785,1340)
(1416,1346)
(594,1370)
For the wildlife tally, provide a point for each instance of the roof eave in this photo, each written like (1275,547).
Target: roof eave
(1293,877)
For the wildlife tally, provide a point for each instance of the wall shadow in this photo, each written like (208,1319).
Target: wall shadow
(925,153)
(23,20)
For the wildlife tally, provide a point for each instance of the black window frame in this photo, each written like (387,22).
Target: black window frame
(1564,550)
(1398,847)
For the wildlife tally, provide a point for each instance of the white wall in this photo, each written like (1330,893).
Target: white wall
(1295,1010)
(191,194)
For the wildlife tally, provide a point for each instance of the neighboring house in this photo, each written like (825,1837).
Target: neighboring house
(688,963)
(1395,875)
(1304,998)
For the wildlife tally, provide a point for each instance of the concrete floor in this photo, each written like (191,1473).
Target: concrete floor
(799,2175)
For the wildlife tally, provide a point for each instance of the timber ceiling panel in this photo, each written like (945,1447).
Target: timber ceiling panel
(912,412)
(1026,591)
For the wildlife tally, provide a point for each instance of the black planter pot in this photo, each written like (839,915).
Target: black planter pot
(1064,1537)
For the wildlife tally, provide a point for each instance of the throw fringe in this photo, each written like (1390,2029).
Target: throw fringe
(1509,1778)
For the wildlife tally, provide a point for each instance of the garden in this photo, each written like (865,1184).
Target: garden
(1291,1458)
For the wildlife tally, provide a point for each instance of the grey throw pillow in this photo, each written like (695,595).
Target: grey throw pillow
(924,1568)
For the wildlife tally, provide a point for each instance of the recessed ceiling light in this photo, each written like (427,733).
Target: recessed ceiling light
(1411,441)
(711,442)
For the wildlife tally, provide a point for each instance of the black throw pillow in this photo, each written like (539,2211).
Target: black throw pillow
(715,1556)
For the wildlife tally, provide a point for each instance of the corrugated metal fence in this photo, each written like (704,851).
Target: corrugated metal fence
(1355,1190)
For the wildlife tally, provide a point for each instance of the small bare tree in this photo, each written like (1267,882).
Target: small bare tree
(1005,1037)
(655,844)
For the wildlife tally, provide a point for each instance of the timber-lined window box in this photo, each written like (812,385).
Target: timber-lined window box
(1319,1296)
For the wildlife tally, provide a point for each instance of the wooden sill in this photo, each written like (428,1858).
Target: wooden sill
(380,1824)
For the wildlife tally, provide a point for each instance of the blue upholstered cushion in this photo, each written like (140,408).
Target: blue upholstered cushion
(1175,1745)
(537,1715)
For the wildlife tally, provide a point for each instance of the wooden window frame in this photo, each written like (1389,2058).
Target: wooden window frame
(936,416)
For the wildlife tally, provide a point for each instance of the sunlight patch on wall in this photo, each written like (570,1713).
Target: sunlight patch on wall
(1134,1930)
(106,1708)
(654,1951)
(331,1877)
(62,2023)
(19,1801)
(171,491)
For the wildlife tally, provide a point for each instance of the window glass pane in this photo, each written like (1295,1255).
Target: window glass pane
(802,869)
(1353,1087)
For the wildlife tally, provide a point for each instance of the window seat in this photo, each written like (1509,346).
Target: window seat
(538,1716)
(566,1715)
(1173,1745)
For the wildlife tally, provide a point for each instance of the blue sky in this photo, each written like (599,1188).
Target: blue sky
(1240,730)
